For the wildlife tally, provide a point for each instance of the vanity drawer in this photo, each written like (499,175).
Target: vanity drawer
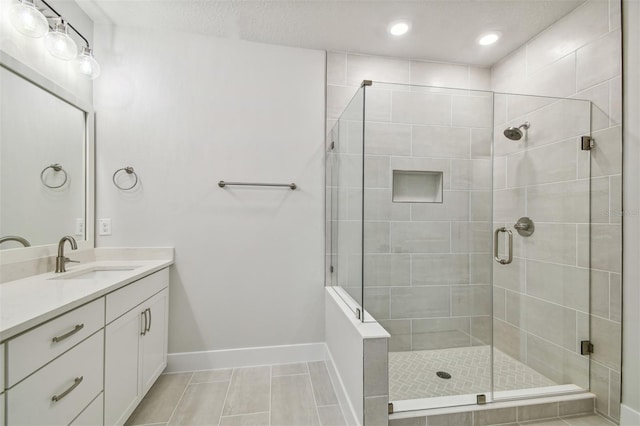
(92,415)
(123,300)
(75,379)
(30,351)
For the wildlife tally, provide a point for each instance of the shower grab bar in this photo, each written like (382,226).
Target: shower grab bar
(222,184)
(496,256)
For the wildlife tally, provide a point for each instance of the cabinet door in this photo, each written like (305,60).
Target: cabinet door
(121,380)
(154,341)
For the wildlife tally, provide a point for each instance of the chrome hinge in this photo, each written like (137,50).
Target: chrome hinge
(366,83)
(586,347)
(358,313)
(331,269)
(332,146)
(587,143)
(481,399)
(390,411)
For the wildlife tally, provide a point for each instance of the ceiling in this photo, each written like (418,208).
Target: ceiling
(442,30)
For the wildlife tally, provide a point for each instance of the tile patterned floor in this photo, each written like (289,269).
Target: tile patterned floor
(412,374)
(277,395)
(590,420)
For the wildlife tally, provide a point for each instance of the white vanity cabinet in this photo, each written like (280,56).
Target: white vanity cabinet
(136,344)
(30,351)
(1,384)
(93,414)
(91,365)
(57,393)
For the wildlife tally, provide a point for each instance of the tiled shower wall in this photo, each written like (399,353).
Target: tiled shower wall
(346,71)
(423,261)
(579,56)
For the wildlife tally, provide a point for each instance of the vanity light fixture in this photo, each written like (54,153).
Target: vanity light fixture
(398,28)
(29,20)
(86,64)
(58,42)
(489,38)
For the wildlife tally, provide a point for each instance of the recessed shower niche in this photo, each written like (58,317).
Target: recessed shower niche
(415,186)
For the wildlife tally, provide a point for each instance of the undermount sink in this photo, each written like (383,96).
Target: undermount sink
(100,272)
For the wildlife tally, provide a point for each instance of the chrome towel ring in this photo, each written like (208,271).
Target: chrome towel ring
(129,170)
(56,168)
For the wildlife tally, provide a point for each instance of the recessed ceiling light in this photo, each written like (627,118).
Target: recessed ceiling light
(398,28)
(489,38)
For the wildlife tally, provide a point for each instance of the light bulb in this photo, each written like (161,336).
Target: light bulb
(398,28)
(86,64)
(59,44)
(27,19)
(489,38)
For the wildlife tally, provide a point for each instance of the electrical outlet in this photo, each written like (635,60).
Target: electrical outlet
(104,227)
(79,227)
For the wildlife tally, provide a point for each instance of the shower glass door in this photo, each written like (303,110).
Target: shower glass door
(541,271)
(427,239)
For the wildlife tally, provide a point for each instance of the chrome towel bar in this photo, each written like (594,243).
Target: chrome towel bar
(222,184)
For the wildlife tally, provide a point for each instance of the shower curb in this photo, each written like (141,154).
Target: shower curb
(497,413)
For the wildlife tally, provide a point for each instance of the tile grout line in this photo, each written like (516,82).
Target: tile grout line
(328,405)
(292,374)
(313,392)
(180,399)
(224,403)
(334,391)
(270,393)
(245,414)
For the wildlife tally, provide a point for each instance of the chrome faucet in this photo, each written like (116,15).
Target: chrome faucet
(61,260)
(17,238)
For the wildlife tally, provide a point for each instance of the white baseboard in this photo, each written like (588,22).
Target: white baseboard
(629,416)
(348,411)
(245,357)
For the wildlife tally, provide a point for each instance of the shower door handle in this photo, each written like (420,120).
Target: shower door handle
(497,257)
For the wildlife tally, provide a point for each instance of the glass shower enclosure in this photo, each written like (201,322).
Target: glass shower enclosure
(459,220)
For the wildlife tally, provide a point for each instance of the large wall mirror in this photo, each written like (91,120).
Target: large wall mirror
(46,187)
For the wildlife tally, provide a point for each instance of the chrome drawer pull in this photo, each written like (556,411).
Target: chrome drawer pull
(69,334)
(146,322)
(76,382)
(149,309)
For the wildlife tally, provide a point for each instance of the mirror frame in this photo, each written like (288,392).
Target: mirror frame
(29,253)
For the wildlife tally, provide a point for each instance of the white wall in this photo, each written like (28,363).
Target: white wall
(187,111)
(631,199)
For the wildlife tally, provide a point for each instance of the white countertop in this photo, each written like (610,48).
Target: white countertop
(30,301)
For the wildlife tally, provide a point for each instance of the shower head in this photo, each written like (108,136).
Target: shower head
(515,133)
